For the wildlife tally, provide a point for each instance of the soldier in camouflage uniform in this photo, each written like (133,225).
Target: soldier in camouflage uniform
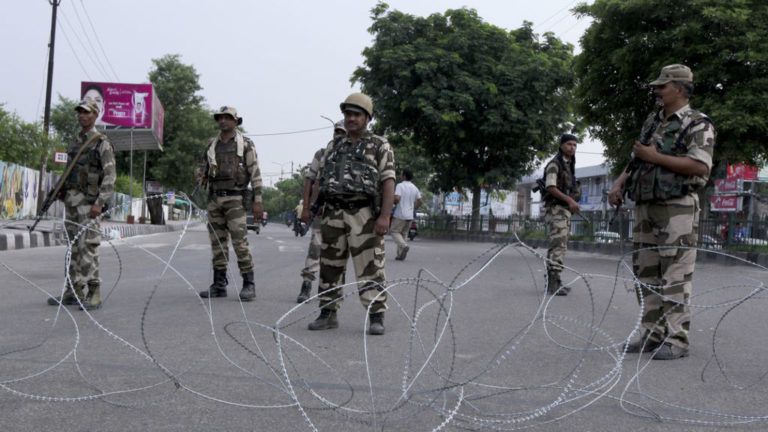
(312,263)
(229,165)
(670,169)
(85,191)
(561,202)
(357,188)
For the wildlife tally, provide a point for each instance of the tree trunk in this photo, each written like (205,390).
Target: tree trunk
(475,225)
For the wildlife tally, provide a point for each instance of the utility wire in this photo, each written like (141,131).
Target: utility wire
(567,7)
(96,54)
(289,133)
(84,48)
(98,41)
(74,52)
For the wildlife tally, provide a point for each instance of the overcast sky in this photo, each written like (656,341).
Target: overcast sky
(282,64)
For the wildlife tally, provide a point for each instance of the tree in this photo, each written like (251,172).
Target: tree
(484,104)
(724,43)
(188,124)
(22,143)
(64,120)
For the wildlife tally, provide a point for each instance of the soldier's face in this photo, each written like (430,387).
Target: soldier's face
(666,94)
(227,123)
(355,122)
(86,119)
(568,148)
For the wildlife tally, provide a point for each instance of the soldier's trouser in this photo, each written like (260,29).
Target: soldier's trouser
(345,233)
(84,263)
(666,267)
(399,231)
(312,263)
(558,220)
(226,219)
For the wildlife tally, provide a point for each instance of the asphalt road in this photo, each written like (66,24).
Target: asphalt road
(156,357)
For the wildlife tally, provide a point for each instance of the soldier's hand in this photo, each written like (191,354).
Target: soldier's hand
(382,225)
(258,211)
(305,214)
(646,153)
(614,197)
(95,211)
(573,206)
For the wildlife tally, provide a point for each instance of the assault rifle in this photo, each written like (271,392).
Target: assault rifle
(54,193)
(634,164)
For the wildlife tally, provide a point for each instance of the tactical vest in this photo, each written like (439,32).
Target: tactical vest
(230,172)
(566,182)
(652,182)
(87,174)
(347,172)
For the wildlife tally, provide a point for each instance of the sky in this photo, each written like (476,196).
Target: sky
(282,64)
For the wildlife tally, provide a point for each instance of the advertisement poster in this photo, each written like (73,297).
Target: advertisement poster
(741,171)
(727,185)
(126,105)
(725,203)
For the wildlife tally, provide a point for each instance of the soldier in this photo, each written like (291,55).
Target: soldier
(408,199)
(84,192)
(229,165)
(561,202)
(672,161)
(312,263)
(357,188)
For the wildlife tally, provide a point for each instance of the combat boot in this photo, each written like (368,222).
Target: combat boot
(306,291)
(93,299)
(68,299)
(326,321)
(248,293)
(554,284)
(376,323)
(219,286)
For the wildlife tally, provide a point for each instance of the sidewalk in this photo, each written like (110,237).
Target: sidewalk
(14,234)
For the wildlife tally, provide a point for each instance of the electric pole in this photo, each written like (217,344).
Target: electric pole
(47,114)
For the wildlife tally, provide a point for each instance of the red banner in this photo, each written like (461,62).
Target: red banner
(726,185)
(741,171)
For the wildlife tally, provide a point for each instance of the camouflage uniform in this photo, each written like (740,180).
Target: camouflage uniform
(226,211)
(557,216)
(670,222)
(90,183)
(312,262)
(348,218)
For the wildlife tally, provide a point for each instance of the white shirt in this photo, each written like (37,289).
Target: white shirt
(408,193)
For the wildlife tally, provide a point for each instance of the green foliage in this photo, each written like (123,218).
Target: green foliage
(64,120)
(482,104)
(188,124)
(284,197)
(22,143)
(724,43)
(123,185)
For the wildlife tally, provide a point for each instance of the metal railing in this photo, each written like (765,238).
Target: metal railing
(713,233)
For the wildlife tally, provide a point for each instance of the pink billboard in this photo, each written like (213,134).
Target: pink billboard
(126,105)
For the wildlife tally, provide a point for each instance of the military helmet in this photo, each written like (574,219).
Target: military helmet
(339,126)
(230,111)
(358,102)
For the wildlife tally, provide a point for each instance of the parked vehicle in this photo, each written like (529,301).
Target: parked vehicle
(413,230)
(250,224)
(607,237)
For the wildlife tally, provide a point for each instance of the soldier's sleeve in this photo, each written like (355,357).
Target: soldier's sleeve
(107,186)
(314,166)
(550,174)
(386,161)
(701,143)
(252,167)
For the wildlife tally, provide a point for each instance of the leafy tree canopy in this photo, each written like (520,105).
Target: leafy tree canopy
(23,143)
(724,43)
(188,123)
(484,104)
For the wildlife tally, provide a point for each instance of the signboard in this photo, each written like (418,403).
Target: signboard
(727,185)
(725,203)
(153,187)
(741,171)
(171,195)
(60,157)
(130,106)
